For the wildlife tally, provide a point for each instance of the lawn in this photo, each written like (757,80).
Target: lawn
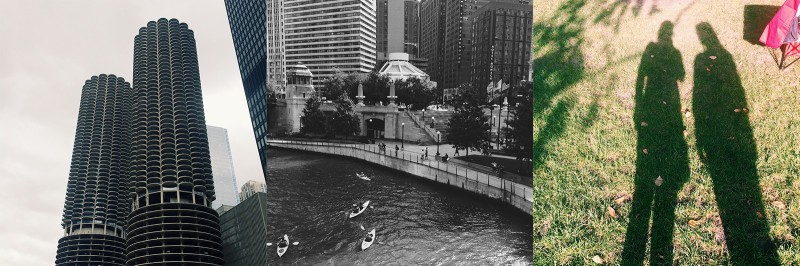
(664,133)
(509,165)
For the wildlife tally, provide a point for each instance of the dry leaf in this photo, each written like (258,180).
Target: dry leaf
(760,215)
(737,110)
(612,212)
(620,200)
(651,56)
(693,223)
(597,259)
(659,181)
(645,151)
(744,110)
(779,205)
(687,114)
(685,133)
(713,57)
(708,69)
(644,124)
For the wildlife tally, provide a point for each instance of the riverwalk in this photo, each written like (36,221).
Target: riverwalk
(464,176)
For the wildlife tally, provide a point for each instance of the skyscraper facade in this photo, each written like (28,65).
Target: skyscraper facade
(250,188)
(244,232)
(397,32)
(502,42)
(222,168)
(327,36)
(97,204)
(171,184)
(446,34)
(275,44)
(248,23)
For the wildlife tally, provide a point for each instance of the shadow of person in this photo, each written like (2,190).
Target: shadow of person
(726,146)
(661,152)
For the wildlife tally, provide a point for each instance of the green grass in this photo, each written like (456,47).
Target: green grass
(687,81)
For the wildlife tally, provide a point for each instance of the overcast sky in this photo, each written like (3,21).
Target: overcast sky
(48,49)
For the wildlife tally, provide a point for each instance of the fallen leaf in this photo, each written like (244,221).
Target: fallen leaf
(708,69)
(620,200)
(685,133)
(713,57)
(645,151)
(644,124)
(597,259)
(693,223)
(779,205)
(612,212)
(744,110)
(688,114)
(651,56)
(737,110)
(760,215)
(659,181)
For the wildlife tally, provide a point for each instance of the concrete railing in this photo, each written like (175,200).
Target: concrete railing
(481,182)
(421,125)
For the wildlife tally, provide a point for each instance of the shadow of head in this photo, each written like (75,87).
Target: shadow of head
(665,31)
(707,36)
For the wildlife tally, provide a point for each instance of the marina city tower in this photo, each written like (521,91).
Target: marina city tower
(171,186)
(96,203)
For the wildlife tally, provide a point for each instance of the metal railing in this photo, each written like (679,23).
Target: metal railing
(483,176)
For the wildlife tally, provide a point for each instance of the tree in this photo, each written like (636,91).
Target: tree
(345,120)
(469,126)
(520,129)
(415,92)
(313,120)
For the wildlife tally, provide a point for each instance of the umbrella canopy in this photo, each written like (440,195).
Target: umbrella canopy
(777,29)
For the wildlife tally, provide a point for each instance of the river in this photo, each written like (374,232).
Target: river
(418,222)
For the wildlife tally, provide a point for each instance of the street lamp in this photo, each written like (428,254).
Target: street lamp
(301,122)
(433,121)
(498,123)
(402,142)
(438,140)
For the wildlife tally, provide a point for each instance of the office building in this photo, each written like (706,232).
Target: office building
(502,42)
(248,23)
(276,55)
(397,32)
(250,188)
(222,168)
(244,232)
(330,36)
(96,204)
(446,39)
(171,183)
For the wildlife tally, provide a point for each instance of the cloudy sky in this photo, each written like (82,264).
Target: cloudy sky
(47,50)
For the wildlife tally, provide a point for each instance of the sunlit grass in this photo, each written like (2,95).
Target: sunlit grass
(587,56)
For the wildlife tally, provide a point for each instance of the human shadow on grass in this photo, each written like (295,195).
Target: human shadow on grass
(726,146)
(662,152)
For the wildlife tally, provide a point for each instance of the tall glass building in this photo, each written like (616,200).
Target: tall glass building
(171,184)
(97,204)
(247,19)
(222,167)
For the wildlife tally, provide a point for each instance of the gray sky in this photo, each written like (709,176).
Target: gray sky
(47,50)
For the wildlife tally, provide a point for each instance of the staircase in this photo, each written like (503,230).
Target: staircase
(415,131)
(439,123)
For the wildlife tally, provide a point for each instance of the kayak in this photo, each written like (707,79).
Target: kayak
(282,250)
(365,244)
(363,176)
(363,208)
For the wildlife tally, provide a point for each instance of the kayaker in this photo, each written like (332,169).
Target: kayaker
(369,237)
(282,243)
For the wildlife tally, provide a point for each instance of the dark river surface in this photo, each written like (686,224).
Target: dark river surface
(418,222)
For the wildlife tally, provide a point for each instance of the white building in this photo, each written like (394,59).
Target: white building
(251,188)
(222,167)
(398,68)
(330,35)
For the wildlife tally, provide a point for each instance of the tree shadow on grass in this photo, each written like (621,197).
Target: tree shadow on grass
(727,148)
(661,152)
(555,71)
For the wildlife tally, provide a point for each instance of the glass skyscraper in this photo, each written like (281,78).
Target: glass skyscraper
(171,183)
(248,22)
(222,168)
(97,203)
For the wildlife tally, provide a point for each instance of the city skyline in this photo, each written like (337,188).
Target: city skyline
(41,75)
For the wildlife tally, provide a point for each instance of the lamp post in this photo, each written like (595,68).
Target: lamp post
(433,122)
(301,122)
(438,139)
(402,137)
(498,124)
(370,131)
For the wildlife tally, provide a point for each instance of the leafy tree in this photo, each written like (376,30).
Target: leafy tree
(520,129)
(415,92)
(344,119)
(313,120)
(469,126)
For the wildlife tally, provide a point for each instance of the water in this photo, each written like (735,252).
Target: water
(418,222)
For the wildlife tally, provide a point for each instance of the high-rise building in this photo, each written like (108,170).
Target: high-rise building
(275,44)
(397,32)
(446,35)
(248,23)
(244,232)
(97,204)
(171,183)
(222,168)
(502,42)
(327,36)
(250,188)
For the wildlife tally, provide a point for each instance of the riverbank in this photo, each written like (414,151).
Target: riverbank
(480,182)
